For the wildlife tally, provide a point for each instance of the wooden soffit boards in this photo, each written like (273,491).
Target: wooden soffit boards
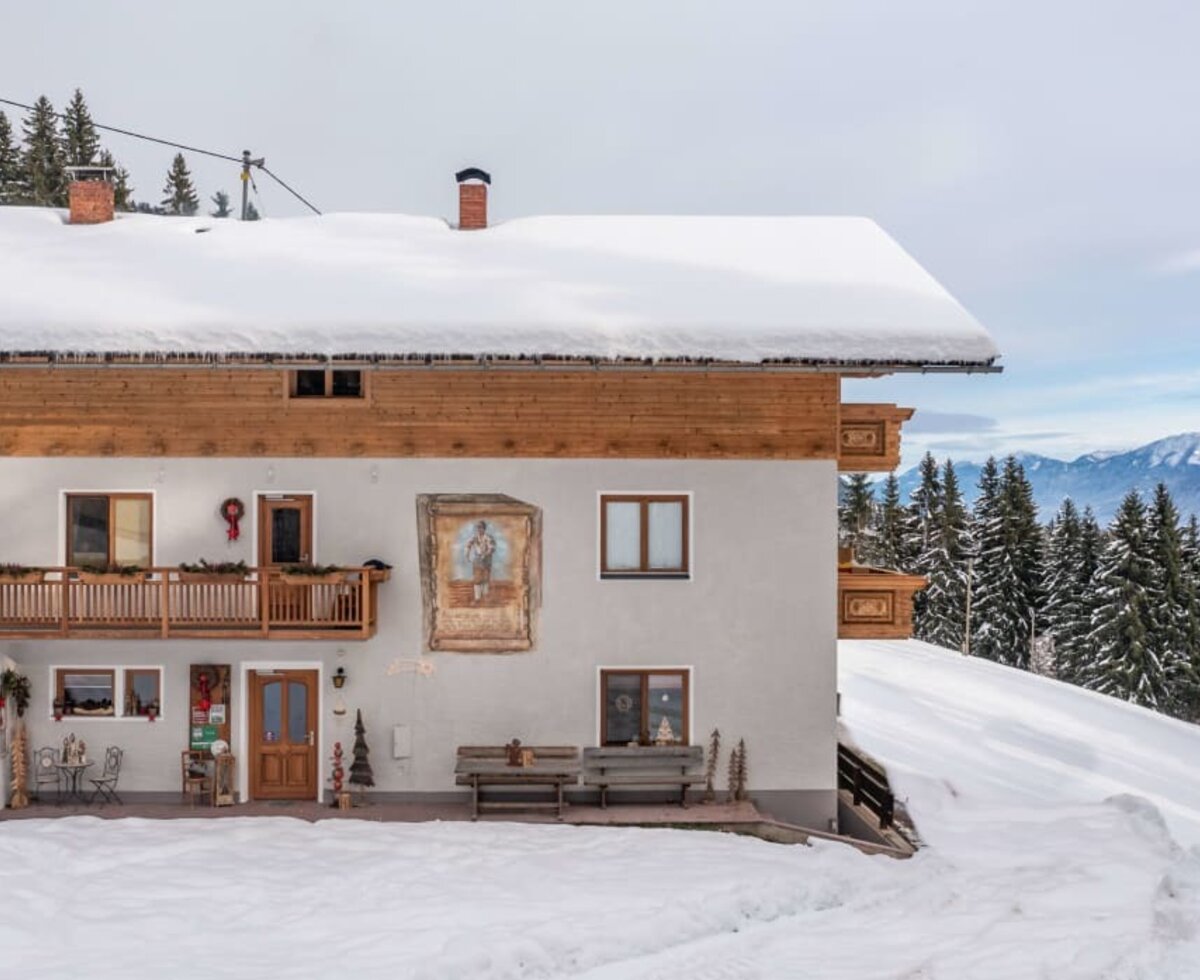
(869,437)
(419,412)
(876,604)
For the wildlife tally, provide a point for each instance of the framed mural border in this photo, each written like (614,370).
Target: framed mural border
(446,621)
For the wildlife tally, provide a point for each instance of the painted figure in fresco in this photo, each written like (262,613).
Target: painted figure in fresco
(480,551)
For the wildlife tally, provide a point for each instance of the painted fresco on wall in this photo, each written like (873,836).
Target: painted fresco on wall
(480,572)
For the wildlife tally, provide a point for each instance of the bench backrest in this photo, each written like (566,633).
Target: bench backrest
(501,751)
(678,758)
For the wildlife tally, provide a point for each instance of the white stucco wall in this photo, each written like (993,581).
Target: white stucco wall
(757,622)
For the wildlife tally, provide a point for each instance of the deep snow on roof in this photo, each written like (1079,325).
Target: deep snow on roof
(738,289)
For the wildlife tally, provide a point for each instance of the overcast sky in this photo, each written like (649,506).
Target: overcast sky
(1042,159)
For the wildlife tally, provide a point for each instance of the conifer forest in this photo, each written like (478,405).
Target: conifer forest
(1113,609)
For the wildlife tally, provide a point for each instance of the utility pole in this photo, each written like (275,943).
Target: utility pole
(247,163)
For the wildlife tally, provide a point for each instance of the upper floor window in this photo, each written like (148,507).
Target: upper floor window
(644,536)
(109,529)
(326,383)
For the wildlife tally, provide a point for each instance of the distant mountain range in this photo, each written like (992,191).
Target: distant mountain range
(1100,479)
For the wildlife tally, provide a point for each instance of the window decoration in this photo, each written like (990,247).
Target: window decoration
(107,692)
(107,530)
(644,536)
(644,707)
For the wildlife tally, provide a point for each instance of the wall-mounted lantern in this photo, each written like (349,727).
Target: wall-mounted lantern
(339,678)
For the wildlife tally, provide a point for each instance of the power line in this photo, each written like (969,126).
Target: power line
(260,163)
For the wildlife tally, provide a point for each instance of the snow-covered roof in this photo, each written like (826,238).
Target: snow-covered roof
(809,290)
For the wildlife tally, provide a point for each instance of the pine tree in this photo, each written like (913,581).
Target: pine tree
(122,192)
(1067,579)
(942,616)
(81,144)
(710,766)
(10,164)
(731,774)
(252,212)
(741,774)
(42,163)
(360,769)
(1008,583)
(1186,692)
(221,203)
(1170,614)
(854,514)
(1124,664)
(888,538)
(179,193)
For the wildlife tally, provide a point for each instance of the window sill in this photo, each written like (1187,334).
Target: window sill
(674,576)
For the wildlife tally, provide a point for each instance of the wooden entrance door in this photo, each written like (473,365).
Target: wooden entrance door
(283,735)
(285,530)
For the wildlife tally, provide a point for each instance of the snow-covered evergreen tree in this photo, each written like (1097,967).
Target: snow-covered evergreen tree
(1186,690)
(42,160)
(220,202)
(1067,580)
(122,192)
(942,615)
(1007,582)
(888,540)
(1170,613)
(10,164)
(1124,663)
(179,193)
(252,212)
(81,144)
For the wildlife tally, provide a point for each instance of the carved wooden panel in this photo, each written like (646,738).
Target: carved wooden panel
(861,606)
(874,603)
(869,437)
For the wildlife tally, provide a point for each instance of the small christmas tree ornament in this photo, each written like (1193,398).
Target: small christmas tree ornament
(360,770)
(664,735)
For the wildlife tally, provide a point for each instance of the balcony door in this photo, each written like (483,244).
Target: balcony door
(285,529)
(283,735)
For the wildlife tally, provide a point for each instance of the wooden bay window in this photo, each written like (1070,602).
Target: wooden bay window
(644,536)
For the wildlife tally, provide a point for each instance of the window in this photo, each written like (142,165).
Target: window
(644,536)
(644,707)
(326,383)
(109,529)
(108,692)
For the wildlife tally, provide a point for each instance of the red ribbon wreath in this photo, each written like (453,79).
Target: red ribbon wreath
(233,510)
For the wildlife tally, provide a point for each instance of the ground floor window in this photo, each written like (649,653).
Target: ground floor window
(644,707)
(108,692)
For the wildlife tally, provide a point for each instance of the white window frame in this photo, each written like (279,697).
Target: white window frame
(118,691)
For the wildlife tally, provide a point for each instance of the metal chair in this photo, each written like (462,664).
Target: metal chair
(46,771)
(106,782)
(196,776)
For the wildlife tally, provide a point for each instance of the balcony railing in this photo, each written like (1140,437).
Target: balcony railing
(162,603)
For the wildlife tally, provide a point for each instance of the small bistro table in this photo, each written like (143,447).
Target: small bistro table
(72,775)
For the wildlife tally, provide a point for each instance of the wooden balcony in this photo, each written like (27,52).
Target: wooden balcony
(875,604)
(165,603)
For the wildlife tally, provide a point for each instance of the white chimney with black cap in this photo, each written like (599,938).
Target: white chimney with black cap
(472,198)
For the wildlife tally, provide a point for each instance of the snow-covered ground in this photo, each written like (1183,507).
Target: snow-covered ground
(1057,825)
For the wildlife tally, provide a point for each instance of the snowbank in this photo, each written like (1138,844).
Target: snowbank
(740,289)
(1045,859)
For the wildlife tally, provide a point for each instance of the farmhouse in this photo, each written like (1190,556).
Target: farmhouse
(570,480)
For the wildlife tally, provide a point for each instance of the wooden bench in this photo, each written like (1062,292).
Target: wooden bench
(479,766)
(643,766)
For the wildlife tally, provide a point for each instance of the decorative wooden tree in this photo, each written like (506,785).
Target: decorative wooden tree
(338,775)
(731,774)
(740,791)
(20,774)
(710,766)
(360,770)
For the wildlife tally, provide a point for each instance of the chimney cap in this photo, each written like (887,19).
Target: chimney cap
(89,172)
(473,173)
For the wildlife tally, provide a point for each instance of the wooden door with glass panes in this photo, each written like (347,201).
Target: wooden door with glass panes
(285,529)
(283,735)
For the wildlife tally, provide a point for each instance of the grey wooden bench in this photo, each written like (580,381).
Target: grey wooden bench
(644,766)
(479,766)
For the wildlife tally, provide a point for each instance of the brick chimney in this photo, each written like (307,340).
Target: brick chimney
(90,195)
(472,198)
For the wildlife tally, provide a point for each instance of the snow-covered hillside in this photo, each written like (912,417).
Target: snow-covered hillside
(1054,819)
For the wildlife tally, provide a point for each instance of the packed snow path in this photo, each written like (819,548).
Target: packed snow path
(1044,859)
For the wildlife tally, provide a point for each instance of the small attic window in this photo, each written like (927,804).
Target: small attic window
(314,383)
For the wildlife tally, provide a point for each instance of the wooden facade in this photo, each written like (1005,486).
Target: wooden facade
(165,603)
(875,604)
(230,411)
